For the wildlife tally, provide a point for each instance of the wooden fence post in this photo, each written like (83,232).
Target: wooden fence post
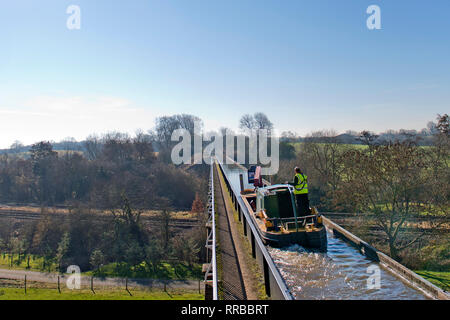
(59,286)
(126,286)
(25,284)
(92,285)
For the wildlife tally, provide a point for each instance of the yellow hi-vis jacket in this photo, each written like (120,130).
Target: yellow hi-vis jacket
(302,184)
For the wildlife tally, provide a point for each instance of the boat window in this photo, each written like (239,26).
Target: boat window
(259,203)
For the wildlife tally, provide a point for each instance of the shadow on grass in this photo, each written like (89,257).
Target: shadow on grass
(168,271)
(444,282)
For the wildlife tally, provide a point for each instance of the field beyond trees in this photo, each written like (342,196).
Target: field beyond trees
(396,190)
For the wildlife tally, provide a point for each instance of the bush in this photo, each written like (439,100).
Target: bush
(436,256)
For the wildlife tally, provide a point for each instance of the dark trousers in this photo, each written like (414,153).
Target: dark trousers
(302,202)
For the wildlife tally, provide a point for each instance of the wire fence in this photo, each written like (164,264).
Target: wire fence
(27,280)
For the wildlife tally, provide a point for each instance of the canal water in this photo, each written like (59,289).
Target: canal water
(340,273)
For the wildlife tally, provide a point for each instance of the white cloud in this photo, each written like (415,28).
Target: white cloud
(53,118)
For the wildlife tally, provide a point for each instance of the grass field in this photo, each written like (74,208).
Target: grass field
(440,279)
(299,145)
(165,271)
(35,263)
(168,271)
(52,294)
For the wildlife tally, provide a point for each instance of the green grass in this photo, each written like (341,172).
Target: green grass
(168,271)
(440,279)
(52,294)
(36,263)
(298,146)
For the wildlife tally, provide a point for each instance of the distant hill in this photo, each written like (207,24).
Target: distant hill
(345,138)
(348,139)
(424,139)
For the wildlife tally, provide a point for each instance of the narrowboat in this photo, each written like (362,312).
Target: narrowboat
(274,213)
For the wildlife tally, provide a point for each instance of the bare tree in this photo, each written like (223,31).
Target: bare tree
(93,147)
(289,136)
(439,165)
(258,121)
(443,124)
(389,184)
(69,144)
(324,155)
(247,123)
(16,146)
(224,130)
(262,122)
(166,125)
(368,138)
(143,147)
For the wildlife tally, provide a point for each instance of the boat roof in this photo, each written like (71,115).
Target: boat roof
(276,186)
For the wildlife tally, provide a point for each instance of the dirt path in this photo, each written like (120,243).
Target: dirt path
(237,275)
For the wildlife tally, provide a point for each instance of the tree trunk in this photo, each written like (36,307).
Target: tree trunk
(393,250)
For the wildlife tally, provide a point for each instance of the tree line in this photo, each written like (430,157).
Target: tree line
(112,166)
(121,240)
(391,182)
(106,186)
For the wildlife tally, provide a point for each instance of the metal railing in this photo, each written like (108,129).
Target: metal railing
(275,286)
(211,272)
(273,277)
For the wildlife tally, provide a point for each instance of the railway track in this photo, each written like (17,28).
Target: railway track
(32,216)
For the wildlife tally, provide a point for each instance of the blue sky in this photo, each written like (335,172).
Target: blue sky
(308,65)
